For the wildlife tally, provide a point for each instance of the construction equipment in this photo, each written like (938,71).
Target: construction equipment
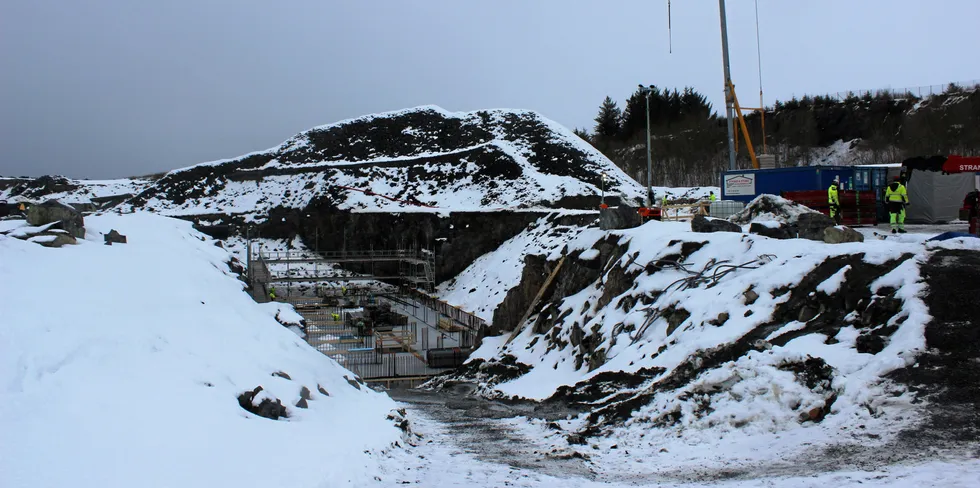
(946,164)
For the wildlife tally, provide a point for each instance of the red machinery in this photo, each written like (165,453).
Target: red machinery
(856,207)
(655,213)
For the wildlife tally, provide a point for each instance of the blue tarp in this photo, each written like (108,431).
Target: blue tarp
(945,236)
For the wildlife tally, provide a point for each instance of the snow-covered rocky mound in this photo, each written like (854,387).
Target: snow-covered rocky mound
(69,190)
(125,365)
(771,208)
(416,159)
(738,345)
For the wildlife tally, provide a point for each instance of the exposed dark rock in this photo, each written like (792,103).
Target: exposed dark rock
(720,320)
(52,238)
(322,390)
(114,237)
(869,343)
(621,217)
(750,296)
(811,225)
(302,403)
(353,383)
(281,375)
(266,408)
(838,235)
(813,372)
(701,224)
(304,393)
(675,317)
(781,231)
(55,211)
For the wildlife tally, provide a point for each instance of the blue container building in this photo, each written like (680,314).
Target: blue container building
(745,185)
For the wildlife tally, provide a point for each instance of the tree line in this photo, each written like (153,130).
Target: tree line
(689,139)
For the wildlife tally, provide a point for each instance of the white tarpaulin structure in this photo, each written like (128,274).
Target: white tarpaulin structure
(935,197)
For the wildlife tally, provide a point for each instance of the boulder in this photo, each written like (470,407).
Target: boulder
(782,231)
(838,235)
(812,225)
(701,224)
(621,217)
(54,211)
(268,408)
(114,237)
(52,239)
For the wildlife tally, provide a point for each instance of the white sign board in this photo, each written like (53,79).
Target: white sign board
(740,185)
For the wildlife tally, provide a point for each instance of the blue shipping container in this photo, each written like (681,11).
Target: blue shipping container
(745,185)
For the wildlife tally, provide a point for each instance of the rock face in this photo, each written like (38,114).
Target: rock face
(702,224)
(782,231)
(838,235)
(621,217)
(55,211)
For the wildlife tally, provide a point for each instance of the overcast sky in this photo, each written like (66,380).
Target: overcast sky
(116,88)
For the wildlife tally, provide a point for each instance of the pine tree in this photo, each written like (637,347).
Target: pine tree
(607,121)
(582,133)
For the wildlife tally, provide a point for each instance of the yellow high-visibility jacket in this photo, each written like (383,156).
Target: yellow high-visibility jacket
(896,193)
(832,195)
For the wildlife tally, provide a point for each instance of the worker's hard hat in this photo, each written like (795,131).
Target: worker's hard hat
(898,178)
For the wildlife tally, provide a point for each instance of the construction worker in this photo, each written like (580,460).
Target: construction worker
(711,196)
(663,201)
(343,290)
(972,204)
(896,197)
(834,200)
(272,293)
(335,316)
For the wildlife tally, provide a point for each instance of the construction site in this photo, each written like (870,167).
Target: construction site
(380,324)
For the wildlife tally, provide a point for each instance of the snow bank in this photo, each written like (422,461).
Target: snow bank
(122,366)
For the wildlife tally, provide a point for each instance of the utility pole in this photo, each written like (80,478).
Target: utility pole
(728,84)
(649,198)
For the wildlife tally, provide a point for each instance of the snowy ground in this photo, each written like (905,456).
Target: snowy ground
(122,365)
(480,445)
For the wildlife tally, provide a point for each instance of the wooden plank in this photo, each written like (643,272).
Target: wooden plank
(537,298)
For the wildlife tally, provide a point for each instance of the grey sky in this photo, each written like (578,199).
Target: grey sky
(124,87)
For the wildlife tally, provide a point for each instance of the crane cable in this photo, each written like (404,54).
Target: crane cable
(758,50)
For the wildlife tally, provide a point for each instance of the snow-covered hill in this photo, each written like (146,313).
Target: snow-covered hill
(123,366)
(69,190)
(416,159)
(746,347)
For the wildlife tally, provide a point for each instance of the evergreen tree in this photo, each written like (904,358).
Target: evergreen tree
(607,121)
(582,133)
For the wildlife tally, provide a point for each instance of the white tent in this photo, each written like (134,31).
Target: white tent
(936,198)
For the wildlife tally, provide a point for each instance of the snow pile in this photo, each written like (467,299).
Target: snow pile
(124,365)
(771,208)
(718,337)
(421,159)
